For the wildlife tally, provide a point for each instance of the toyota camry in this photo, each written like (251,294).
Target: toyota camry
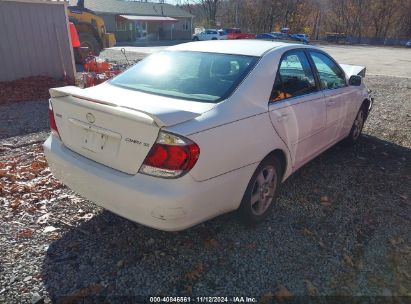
(201,129)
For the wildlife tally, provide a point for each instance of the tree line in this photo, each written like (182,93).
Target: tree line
(379,19)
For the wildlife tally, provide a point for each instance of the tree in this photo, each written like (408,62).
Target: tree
(209,8)
(359,18)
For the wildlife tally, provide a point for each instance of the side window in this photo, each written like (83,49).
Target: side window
(294,77)
(331,76)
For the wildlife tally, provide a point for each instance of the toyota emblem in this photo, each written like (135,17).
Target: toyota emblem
(90,118)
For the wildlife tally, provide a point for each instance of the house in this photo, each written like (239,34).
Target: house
(141,21)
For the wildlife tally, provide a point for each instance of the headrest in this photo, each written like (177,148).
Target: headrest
(221,67)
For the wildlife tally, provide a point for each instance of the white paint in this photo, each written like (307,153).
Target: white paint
(234,136)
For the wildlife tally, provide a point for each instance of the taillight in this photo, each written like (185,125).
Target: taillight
(53,125)
(171,156)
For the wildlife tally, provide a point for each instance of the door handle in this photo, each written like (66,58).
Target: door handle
(282,117)
(330,103)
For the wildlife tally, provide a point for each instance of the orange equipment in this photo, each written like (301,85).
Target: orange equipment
(75,41)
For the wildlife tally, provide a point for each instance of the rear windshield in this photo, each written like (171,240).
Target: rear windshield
(205,77)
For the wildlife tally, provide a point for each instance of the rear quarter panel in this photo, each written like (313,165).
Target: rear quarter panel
(234,145)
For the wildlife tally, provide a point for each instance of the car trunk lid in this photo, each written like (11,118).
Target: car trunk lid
(115,126)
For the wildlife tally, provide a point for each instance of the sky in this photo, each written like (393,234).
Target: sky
(171,1)
(168,1)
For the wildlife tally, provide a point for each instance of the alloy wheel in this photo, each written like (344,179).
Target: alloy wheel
(263,190)
(358,124)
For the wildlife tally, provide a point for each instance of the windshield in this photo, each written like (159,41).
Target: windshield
(205,77)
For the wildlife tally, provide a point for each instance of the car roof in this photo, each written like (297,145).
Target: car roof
(248,47)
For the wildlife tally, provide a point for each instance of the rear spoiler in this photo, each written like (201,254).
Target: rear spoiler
(353,70)
(162,116)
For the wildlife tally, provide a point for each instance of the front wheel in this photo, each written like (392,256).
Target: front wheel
(261,192)
(87,40)
(357,127)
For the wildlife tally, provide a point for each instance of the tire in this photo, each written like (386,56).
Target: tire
(195,38)
(87,40)
(261,192)
(357,126)
(77,56)
(214,38)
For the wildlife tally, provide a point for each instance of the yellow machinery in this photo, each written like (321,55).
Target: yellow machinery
(90,29)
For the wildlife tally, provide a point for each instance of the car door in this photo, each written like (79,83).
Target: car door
(203,36)
(297,107)
(338,95)
(214,35)
(209,35)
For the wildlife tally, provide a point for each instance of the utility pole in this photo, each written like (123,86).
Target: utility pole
(236,14)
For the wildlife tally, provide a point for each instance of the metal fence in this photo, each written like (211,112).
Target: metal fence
(376,41)
(35,40)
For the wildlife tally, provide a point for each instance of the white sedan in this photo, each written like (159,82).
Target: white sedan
(202,129)
(210,34)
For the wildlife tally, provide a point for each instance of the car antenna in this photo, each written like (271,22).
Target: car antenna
(123,50)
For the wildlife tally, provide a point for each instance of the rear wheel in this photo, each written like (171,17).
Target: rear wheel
(195,38)
(261,191)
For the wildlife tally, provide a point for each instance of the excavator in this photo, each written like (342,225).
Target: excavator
(90,29)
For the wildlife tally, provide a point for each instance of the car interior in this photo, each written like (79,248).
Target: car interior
(294,78)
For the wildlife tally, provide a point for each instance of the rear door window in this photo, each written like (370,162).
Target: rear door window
(294,77)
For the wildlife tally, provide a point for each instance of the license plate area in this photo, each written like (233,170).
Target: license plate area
(95,142)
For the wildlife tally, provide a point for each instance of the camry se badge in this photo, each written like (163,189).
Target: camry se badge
(135,141)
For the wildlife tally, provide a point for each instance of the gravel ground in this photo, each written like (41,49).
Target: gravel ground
(114,55)
(356,242)
(23,117)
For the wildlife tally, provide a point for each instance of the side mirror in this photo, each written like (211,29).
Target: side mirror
(355,80)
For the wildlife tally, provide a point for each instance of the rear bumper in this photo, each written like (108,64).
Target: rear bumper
(165,204)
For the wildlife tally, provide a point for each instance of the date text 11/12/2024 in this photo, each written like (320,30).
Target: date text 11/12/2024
(203,300)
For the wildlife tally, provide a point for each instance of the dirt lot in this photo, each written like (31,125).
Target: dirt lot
(388,61)
(357,242)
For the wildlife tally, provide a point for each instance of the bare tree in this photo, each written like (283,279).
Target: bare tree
(378,19)
(382,13)
(209,8)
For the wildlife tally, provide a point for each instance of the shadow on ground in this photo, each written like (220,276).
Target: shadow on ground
(23,117)
(350,245)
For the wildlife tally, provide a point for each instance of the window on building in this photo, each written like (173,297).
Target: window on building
(121,26)
(186,25)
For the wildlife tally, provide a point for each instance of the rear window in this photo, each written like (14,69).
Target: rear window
(204,77)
